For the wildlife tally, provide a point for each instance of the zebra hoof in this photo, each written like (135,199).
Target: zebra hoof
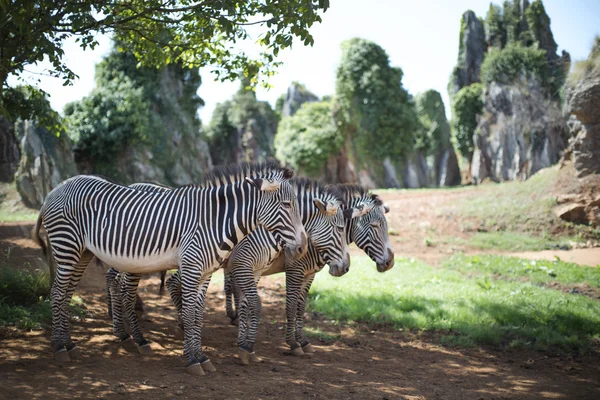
(62,356)
(255,359)
(208,366)
(74,353)
(244,357)
(195,369)
(145,350)
(298,352)
(308,349)
(129,345)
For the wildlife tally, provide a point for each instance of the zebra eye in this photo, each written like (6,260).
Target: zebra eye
(286,204)
(375,224)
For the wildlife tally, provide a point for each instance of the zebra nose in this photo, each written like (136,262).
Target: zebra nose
(303,246)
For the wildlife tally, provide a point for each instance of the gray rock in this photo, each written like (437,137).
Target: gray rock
(415,173)
(46,161)
(519,133)
(296,95)
(446,167)
(471,52)
(9,151)
(583,101)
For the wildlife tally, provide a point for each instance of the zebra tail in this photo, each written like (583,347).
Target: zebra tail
(35,235)
(163,275)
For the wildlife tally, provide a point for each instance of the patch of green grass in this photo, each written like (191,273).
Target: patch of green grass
(542,272)
(18,216)
(511,241)
(515,206)
(473,309)
(24,299)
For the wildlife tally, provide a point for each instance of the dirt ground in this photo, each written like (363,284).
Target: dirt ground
(363,364)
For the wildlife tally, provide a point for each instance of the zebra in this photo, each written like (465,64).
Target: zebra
(367,227)
(323,220)
(193,227)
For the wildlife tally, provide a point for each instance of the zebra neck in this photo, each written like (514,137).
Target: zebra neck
(231,211)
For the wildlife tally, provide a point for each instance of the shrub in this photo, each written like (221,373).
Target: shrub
(467,104)
(307,139)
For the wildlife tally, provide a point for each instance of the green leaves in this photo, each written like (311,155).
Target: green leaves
(373,106)
(466,105)
(307,139)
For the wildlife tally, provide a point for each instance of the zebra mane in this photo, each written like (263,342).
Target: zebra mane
(349,191)
(326,192)
(228,174)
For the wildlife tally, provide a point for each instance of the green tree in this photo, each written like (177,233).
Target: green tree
(432,116)
(114,115)
(466,106)
(373,107)
(307,139)
(494,27)
(192,33)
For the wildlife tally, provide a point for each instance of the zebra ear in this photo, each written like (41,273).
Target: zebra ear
(320,205)
(256,182)
(288,173)
(386,208)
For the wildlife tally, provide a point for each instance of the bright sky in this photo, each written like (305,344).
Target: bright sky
(420,36)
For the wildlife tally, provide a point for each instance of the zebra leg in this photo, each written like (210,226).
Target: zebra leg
(207,365)
(116,296)
(110,276)
(230,297)
(174,288)
(300,338)
(244,348)
(67,278)
(129,286)
(293,282)
(190,307)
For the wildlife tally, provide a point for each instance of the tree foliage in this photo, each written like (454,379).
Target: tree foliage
(133,106)
(307,139)
(106,121)
(189,32)
(373,106)
(238,121)
(495,31)
(435,132)
(516,62)
(466,106)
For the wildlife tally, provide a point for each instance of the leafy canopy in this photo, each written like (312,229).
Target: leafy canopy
(191,32)
(307,139)
(466,105)
(373,106)
(435,131)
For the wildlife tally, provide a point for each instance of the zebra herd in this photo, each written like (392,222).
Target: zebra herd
(249,219)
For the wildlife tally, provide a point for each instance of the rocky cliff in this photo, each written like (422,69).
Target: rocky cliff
(9,151)
(521,131)
(471,51)
(583,103)
(296,95)
(46,161)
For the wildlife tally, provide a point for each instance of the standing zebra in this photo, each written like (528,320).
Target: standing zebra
(323,220)
(193,227)
(367,228)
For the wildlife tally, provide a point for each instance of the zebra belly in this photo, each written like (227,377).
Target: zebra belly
(276,266)
(140,265)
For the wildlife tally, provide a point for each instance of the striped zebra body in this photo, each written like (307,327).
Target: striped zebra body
(367,228)
(259,252)
(192,227)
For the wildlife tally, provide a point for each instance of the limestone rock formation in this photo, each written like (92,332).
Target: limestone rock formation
(46,161)
(296,95)
(9,151)
(520,132)
(471,51)
(583,103)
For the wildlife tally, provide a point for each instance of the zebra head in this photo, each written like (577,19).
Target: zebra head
(277,209)
(327,234)
(369,230)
